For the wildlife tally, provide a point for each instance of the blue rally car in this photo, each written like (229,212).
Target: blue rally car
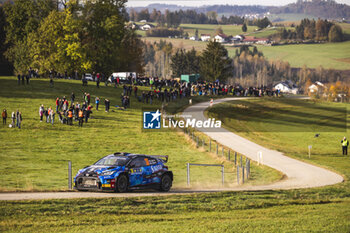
(121,172)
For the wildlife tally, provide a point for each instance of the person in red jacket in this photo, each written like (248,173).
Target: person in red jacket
(57,104)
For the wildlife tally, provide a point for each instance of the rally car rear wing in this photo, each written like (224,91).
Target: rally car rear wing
(162,157)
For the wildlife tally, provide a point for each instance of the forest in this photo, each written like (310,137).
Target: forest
(84,38)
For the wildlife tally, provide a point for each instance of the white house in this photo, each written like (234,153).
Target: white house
(221,38)
(193,38)
(286,87)
(317,86)
(146,27)
(205,37)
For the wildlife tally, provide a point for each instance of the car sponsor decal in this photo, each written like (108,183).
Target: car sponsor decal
(156,168)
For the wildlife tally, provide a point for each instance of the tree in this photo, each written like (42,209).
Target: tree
(215,63)
(219,31)
(244,27)
(5,66)
(263,23)
(23,17)
(335,34)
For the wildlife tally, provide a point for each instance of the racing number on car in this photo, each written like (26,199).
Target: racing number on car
(136,171)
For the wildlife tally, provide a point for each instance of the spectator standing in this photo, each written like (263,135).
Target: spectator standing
(106,105)
(345,145)
(19,119)
(4,116)
(70,117)
(81,118)
(52,117)
(97,102)
(51,82)
(23,79)
(19,79)
(41,112)
(57,104)
(13,117)
(46,113)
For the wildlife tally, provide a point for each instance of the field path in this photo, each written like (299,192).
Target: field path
(298,174)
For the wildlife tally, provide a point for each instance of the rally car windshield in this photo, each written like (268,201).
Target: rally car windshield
(112,161)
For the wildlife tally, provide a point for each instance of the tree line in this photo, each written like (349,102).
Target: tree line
(175,18)
(82,38)
(248,67)
(320,30)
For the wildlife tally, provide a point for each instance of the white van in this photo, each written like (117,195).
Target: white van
(123,76)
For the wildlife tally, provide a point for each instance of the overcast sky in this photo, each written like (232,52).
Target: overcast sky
(134,3)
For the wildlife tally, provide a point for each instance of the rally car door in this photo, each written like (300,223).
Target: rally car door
(136,171)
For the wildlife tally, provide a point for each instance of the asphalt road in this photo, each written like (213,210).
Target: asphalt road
(298,174)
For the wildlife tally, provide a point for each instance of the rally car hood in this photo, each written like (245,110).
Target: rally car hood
(95,170)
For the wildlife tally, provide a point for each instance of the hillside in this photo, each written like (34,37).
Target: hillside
(328,9)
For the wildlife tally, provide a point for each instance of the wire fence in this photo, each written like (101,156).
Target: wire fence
(241,165)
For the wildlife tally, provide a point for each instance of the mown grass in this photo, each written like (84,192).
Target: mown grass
(327,55)
(36,156)
(259,211)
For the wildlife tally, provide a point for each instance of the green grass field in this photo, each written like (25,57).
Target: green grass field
(328,55)
(36,156)
(325,209)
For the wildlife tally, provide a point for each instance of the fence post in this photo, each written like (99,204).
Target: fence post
(246,167)
(209,144)
(197,142)
(223,174)
(235,158)
(217,149)
(241,161)
(242,175)
(249,168)
(188,174)
(69,174)
(237,174)
(223,152)
(229,156)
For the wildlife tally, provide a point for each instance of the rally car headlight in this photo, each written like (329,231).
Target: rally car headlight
(107,173)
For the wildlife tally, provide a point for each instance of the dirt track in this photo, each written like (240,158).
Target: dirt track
(299,174)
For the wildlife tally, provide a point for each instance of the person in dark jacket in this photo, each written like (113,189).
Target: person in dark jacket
(19,119)
(4,116)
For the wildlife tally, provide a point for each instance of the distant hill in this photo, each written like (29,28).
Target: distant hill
(220,9)
(327,9)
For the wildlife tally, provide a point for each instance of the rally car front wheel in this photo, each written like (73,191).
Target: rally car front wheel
(166,183)
(122,184)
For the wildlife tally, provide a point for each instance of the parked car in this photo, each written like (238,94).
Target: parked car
(121,172)
(89,77)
